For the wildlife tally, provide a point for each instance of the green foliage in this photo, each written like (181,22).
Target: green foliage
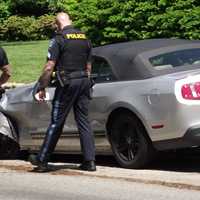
(29,7)
(190,24)
(181,19)
(44,27)
(4,10)
(17,28)
(108,21)
(104,21)
(63,5)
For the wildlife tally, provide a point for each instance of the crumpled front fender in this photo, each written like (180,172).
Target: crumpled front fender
(7,128)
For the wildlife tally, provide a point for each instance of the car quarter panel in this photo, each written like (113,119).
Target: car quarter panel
(152,100)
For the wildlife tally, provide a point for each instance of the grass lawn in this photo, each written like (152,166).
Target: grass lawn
(27,59)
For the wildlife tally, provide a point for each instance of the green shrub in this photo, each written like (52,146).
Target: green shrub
(44,26)
(105,21)
(4,10)
(29,7)
(17,28)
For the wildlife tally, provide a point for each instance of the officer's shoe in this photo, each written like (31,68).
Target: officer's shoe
(41,166)
(88,166)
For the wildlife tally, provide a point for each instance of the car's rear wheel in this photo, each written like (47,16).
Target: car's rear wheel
(130,144)
(8,147)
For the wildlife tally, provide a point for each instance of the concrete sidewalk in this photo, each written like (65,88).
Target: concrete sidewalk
(186,180)
(11,85)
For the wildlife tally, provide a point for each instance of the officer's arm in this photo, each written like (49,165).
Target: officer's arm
(89,68)
(6,73)
(89,59)
(46,75)
(53,55)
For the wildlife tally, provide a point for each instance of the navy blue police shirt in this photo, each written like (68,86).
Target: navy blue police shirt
(70,49)
(3,58)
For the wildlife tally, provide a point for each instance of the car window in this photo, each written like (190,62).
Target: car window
(176,59)
(101,70)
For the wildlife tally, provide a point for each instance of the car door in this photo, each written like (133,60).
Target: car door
(69,140)
(40,115)
(102,74)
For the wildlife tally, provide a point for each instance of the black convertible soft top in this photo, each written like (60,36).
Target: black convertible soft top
(123,57)
(136,47)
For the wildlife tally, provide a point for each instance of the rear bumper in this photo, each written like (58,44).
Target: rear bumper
(190,139)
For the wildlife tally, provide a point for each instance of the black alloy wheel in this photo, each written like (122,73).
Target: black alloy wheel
(130,145)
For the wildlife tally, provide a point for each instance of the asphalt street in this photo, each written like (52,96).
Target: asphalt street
(174,175)
(17,185)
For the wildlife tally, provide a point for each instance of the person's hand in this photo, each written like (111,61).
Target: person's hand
(41,95)
(88,73)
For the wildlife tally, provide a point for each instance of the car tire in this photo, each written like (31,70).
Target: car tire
(8,148)
(130,144)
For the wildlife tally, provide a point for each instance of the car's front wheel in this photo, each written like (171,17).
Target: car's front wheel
(131,147)
(8,147)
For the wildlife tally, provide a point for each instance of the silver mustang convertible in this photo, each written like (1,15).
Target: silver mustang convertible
(146,99)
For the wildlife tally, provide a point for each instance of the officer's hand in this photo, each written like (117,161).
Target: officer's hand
(88,73)
(41,95)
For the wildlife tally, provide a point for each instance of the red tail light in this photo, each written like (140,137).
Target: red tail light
(191,91)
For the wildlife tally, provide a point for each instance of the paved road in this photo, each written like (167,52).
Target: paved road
(19,185)
(173,176)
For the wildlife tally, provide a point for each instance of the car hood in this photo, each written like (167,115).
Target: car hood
(19,94)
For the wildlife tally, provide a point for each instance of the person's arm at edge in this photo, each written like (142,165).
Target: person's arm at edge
(89,61)
(6,74)
(89,68)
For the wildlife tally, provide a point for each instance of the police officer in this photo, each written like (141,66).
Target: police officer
(69,57)
(5,68)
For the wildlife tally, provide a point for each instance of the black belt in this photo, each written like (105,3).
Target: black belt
(77,74)
(63,77)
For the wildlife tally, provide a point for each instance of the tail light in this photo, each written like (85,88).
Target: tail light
(187,90)
(191,91)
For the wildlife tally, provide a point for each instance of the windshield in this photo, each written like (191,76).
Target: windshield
(176,59)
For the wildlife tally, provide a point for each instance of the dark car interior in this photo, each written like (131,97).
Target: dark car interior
(176,59)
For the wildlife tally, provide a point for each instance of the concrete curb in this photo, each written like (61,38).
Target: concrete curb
(182,180)
(12,85)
